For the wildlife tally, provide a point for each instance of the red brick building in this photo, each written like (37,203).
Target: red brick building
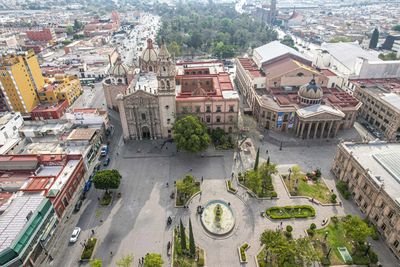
(58,176)
(43,35)
(49,111)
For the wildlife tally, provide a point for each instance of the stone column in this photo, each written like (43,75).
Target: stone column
(302,129)
(316,130)
(309,129)
(330,128)
(336,129)
(322,130)
(298,128)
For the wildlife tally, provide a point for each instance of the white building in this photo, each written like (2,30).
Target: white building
(350,61)
(88,116)
(10,123)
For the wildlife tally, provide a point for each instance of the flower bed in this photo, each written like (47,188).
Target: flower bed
(106,199)
(230,187)
(242,252)
(88,250)
(288,212)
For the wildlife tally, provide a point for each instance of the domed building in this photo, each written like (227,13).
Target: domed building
(148,59)
(117,82)
(310,94)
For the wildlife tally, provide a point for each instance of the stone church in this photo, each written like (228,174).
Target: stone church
(147,108)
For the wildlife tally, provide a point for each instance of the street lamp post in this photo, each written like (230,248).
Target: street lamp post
(290,172)
(368,248)
(280,147)
(329,252)
(326,235)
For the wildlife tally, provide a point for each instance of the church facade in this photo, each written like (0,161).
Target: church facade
(147,110)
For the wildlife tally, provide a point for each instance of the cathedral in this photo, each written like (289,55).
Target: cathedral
(151,97)
(147,109)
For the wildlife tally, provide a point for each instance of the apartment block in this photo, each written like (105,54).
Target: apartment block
(20,79)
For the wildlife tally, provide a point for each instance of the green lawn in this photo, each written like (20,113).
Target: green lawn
(318,191)
(337,238)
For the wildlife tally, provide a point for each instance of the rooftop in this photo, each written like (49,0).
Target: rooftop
(382,160)
(13,220)
(347,53)
(48,107)
(82,134)
(7,117)
(274,50)
(63,178)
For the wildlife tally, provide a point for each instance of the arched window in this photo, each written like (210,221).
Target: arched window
(230,129)
(218,119)
(150,68)
(119,80)
(168,84)
(164,69)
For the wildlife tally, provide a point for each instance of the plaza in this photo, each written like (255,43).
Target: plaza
(136,223)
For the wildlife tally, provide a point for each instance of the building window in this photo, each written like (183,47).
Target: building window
(169,131)
(166,107)
(376,218)
(218,108)
(218,119)
(231,108)
(168,121)
(390,215)
(230,118)
(382,205)
(197,109)
(208,108)
(143,116)
(208,119)
(396,243)
(365,187)
(383,227)
(230,130)
(365,205)
(359,198)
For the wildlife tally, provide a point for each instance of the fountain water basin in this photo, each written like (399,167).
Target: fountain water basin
(218,218)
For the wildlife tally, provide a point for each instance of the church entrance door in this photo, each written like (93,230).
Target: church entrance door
(145,132)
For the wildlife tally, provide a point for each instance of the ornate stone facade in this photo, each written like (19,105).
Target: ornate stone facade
(147,110)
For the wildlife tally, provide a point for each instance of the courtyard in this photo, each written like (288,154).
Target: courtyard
(136,223)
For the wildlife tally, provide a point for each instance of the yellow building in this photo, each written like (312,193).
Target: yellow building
(20,79)
(60,88)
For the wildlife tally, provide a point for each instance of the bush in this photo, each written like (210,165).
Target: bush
(313,226)
(88,250)
(335,219)
(274,194)
(373,257)
(310,232)
(333,198)
(343,188)
(289,228)
(200,261)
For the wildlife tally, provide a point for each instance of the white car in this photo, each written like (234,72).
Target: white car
(75,235)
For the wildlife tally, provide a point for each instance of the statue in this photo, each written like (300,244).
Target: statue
(218,212)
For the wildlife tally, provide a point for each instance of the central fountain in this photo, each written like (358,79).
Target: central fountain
(218,218)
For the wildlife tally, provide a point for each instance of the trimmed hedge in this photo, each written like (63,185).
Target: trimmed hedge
(288,212)
(243,249)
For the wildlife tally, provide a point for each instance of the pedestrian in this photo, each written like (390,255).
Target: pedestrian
(111,253)
(92,232)
(98,198)
(267,151)
(202,178)
(190,169)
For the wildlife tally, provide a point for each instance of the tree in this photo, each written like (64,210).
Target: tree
(69,30)
(77,25)
(253,181)
(257,159)
(374,39)
(175,49)
(125,261)
(107,179)
(192,246)
(396,28)
(288,41)
(153,260)
(182,235)
(296,170)
(356,228)
(268,161)
(190,134)
(96,263)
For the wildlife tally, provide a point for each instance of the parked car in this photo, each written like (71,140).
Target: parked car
(78,205)
(75,235)
(104,150)
(106,162)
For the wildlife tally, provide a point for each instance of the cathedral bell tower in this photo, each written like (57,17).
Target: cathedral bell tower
(166,90)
